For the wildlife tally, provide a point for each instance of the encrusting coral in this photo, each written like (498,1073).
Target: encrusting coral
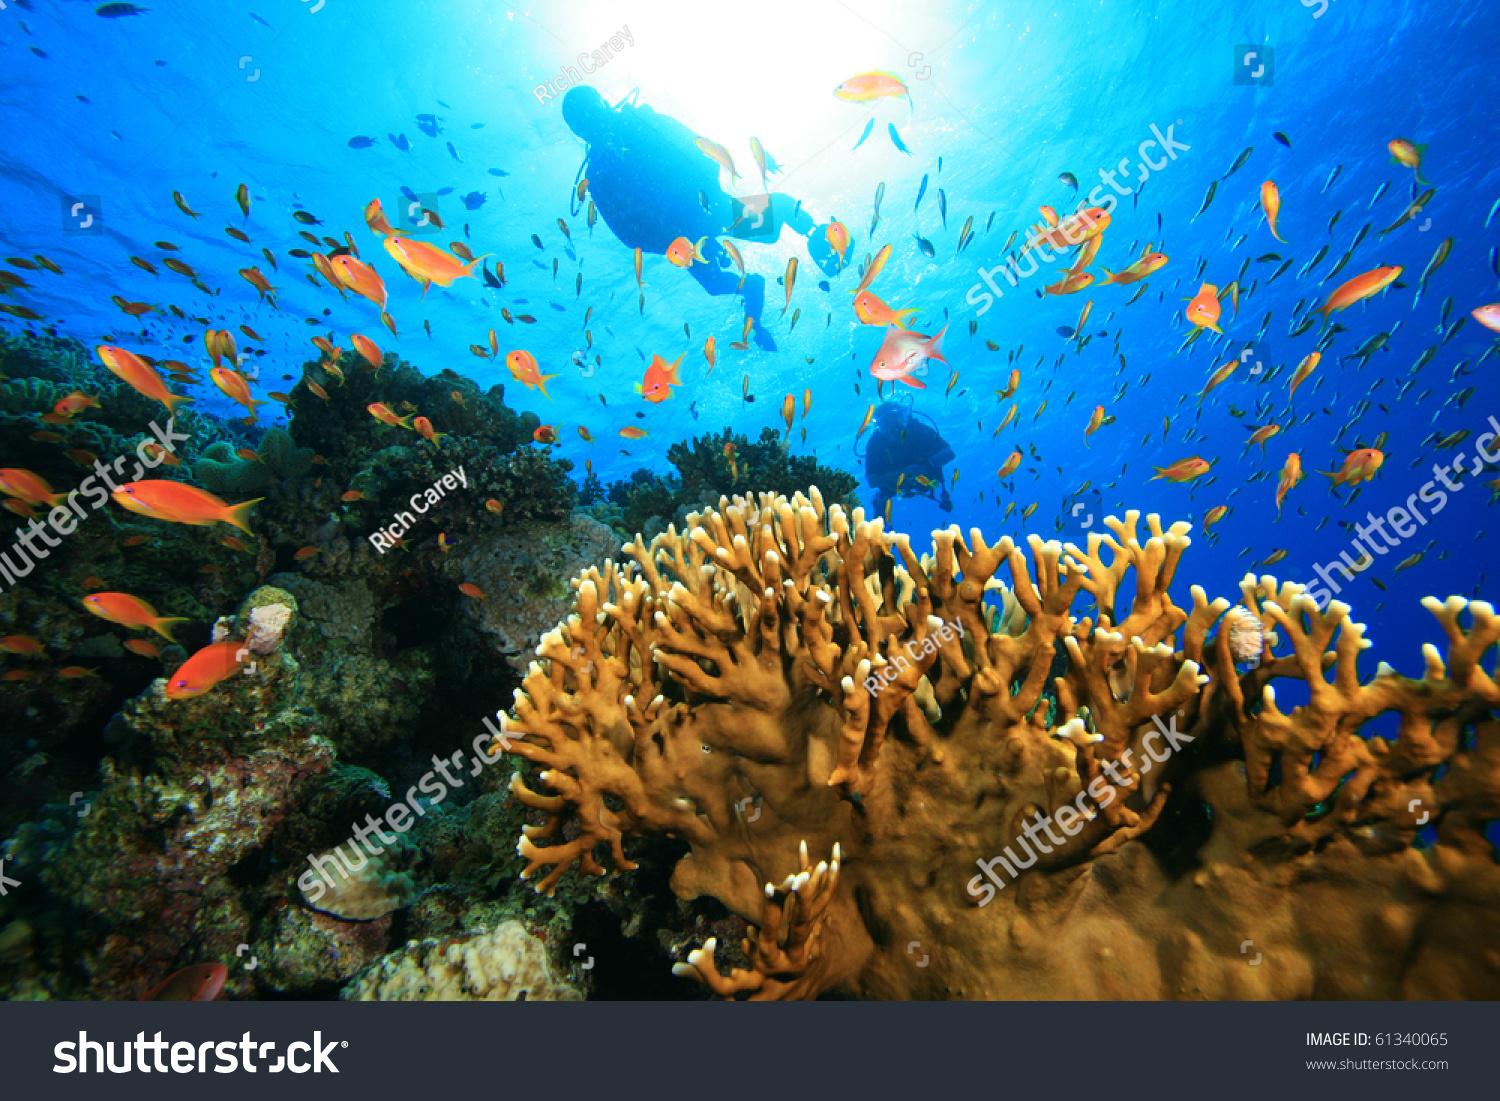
(852,745)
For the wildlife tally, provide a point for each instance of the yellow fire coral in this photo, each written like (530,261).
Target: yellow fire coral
(914,781)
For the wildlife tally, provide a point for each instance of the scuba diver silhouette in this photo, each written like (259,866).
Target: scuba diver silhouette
(903,445)
(652,185)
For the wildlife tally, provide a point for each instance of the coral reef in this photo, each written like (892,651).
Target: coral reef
(859,754)
(708,467)
(520,577)
(373,889)
(508,965)
(279,458)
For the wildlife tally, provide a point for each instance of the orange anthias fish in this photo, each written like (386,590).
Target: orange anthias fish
(710,352)
(132,370)
(874,85)
(1011,464)
(220,346)
(1270,202)
(199,983)
(716,152)
(382,412)
(872,311)
(1261,435)
(236,388)
(873,270)
(1072,231)
(424,428)
(428,264)
(356,275)
(28,487)
(1184,470)
(1304,369)
(631,432)
(1359,288)
(74,404)
(468,588)
(1291,474)
(683,252)
(1359,467)
(1409,154)
(256,279)
(525,370)
(661,376)
(132,612)
(1072,283)
(21,644)
(376,220)
(837,235)
(215,662)
(1488,316)
(1148,264)
(545,434)
(1203,310)
(368,349)
(182,504)
(902,352)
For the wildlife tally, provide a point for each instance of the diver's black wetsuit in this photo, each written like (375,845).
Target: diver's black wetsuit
(650,183)
(902,444)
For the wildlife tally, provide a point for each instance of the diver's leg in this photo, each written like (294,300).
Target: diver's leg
(717,281)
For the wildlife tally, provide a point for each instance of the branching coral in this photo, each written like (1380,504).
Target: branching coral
(840,732)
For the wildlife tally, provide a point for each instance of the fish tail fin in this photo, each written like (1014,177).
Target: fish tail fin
(913,382)
(698,251)
(672,375)
(541,384)
(406,421)
(1109,277)
(172,401)
(239,515)
(903,317)
(163,625)
(468,269)
(935,346)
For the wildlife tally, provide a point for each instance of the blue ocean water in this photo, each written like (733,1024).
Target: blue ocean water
(107,115)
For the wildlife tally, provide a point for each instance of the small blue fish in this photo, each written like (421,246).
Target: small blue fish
(823,285)
(454,153)
(400,142)
(444,191)
(868,127)
(116,11)
(1068,180)
(359,141)
(499,172)
(896,139)
(474,200)
(428,124)
(476,126)
(920,192)
(259,20)
(926,246)
(409,193)
(943,206)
